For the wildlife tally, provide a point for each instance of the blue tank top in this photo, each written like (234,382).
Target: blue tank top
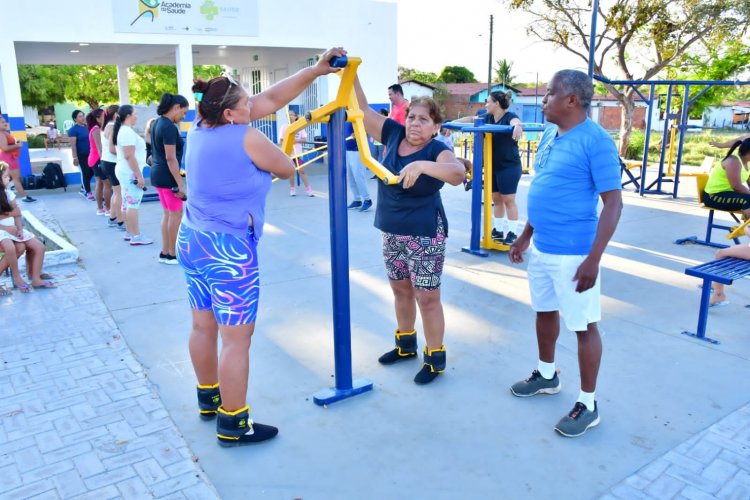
(224,187)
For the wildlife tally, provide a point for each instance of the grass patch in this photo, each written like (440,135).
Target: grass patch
(695,147)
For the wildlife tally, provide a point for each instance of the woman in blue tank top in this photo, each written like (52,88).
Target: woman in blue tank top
(411,216)
(229,167)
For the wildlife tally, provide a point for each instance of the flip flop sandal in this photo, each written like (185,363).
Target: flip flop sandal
(723,303)
(44,284)
(23,288)
(4,292)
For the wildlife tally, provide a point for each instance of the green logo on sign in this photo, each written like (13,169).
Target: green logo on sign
(209,10)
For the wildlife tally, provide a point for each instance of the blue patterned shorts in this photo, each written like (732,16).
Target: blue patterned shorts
(416,258)
(222,274)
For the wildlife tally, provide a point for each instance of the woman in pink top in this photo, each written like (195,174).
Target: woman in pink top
(103,193)
(299,138)
(10,150)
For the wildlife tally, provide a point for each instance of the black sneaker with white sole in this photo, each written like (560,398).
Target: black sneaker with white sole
(497,235)
(579,420)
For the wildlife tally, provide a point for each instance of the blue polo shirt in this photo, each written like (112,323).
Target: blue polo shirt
(413,211)
(570,171)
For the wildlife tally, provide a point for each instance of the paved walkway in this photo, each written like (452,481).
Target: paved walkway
(714,463)
(78,416)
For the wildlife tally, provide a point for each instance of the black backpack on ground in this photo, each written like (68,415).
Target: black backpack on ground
(33,181)
(53,176)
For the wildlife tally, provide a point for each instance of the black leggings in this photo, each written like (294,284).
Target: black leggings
(727,200)
(86,172)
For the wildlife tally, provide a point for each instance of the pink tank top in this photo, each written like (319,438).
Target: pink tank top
(94,154)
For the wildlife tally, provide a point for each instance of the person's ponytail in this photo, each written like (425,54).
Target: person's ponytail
(116,129)
(743,146)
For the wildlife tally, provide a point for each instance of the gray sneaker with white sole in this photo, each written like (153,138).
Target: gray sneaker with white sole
(536,384)
(579,420)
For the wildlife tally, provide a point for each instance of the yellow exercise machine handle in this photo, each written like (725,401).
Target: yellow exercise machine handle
(345,98)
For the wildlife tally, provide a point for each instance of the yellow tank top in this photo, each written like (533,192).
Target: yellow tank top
(719,183)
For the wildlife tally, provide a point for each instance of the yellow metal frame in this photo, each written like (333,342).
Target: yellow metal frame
(738,230)
(345,98)
(487,215)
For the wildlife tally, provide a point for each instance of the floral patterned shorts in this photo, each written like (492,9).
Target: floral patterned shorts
(416,258)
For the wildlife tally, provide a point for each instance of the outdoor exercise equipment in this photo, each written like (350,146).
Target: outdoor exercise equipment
(700,183)
(481,198)
(662,176)
(335,113)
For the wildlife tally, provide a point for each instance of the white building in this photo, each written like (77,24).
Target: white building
(261,41)
(415,88)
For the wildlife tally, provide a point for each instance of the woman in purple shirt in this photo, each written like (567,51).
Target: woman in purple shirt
(229,167)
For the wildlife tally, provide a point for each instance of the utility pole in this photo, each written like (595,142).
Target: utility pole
(489,69)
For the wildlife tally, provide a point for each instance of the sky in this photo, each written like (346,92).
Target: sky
(457,34)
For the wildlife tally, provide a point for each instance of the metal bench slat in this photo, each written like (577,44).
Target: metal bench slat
(723,270)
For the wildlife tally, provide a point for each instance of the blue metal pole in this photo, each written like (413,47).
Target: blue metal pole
(647,138)
(477,187)
(683,123)
(342,335)
(592,38)
(667,120)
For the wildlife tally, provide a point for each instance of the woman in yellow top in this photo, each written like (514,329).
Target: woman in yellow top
(728,187)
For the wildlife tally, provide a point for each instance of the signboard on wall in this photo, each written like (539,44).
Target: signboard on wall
(187,17)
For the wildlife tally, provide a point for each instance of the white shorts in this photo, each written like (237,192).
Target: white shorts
(553,289)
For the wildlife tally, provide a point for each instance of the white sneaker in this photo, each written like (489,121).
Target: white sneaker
(140,240)
(127,236)
(100,211)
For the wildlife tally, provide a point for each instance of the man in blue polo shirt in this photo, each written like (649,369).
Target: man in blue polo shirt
(576,164)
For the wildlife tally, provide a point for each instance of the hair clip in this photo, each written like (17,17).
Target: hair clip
(198,96)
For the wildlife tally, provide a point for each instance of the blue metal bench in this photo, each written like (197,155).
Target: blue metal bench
(723,271)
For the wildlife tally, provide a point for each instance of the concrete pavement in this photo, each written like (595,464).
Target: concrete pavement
(465,435)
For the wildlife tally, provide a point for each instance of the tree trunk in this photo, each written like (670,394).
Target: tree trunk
(626,123)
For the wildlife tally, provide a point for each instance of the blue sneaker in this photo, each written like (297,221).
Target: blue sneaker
(366,206)
(354,204)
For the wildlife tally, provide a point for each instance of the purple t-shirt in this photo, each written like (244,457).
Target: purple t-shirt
(224,187)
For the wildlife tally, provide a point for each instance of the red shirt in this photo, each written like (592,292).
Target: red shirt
(398,112)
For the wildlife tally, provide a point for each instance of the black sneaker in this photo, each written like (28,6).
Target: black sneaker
(510,238)
(366,206)
(579,420)
(354,204)
(28,199)
(497,235)
(237,429)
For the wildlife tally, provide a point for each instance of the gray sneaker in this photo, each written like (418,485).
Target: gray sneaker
(578,421)
(536,384)
(140,240)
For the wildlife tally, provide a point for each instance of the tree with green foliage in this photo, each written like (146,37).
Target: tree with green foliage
(503,72)
(641,37)
(717,63)
(40,85)
(415,74)
(45,85)
(456,74)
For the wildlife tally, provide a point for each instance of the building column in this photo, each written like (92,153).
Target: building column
(122,84)
(184,65)
(11,101)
